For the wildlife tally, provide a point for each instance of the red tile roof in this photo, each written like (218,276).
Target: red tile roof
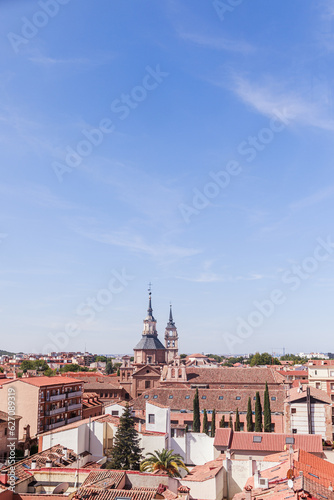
(204,472)
(270,442)
(314,468)
(46,381)
(295,394)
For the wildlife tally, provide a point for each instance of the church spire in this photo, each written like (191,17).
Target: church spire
(171,321)
(150,310)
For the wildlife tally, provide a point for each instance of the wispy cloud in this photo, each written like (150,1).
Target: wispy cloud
(313,199)
(36,195)
(93,61)
(269,96)
(137,244)
(218,43)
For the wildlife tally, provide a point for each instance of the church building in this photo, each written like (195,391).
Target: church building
(150,355)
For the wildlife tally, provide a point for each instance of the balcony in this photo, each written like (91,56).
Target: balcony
(73,407)
(57,397)
(73,394)
(56,411)
(57,424)
(74,419)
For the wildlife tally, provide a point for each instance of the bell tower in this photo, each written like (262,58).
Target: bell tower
(171,338)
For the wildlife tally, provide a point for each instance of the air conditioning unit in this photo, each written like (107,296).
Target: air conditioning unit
(263,482)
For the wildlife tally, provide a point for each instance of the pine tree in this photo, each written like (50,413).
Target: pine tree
(196,415)
(266,411)
(237,421)
(250,425)
(126,453)
(230,423)
(258,413)
(222,422)
(205,423)
(213,423)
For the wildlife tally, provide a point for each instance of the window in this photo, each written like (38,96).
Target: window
(151,418)
(318,385)
(238,397)
(221,397)
(254,398)
(293,410)
(331,374)
(273,398)
(257,439)
(155,396)
(114,413)
(187,397)
(170,396)
(146,396)
(332,387)
(203,397)
(242,426)
(272,427)
(147,384)
(289,440)
(315,372)
(294,431)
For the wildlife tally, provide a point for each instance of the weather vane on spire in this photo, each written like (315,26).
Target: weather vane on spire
(150,288)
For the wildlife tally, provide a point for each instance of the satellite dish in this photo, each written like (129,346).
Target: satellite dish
(290,483)
(61,488)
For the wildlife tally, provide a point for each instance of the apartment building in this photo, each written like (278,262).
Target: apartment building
(44,403)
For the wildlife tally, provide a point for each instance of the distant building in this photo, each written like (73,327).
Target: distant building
(44,403)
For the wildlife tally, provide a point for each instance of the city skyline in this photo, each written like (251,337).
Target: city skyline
(176,143)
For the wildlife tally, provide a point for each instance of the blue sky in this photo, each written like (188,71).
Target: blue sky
(211,174)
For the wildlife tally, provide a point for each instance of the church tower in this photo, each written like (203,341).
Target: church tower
(171,338)
(149,350)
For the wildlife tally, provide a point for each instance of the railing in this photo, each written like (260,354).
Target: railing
(74,419)
(56,397)
(56,411)
(57,424)
(73,407)
(72,394)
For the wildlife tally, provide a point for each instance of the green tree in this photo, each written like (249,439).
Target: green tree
(250,425)
(72,367)
(164,460)
(258,413)
(118,372)
(222,422)
(263,359)
(126,453)
(213,423)
(230,423)
(237,421)
(266,411)
(182,356)
(205,423)
(196,415)
(109,368)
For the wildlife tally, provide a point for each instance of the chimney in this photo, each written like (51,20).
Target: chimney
(4,477)
(65,450)
(48,464)
(33,464)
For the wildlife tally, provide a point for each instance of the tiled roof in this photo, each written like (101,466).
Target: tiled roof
(204,472)
(295,394)
(104,479)
(101,494)
(270,442)
(314,468)
(149,342)
(93,386)
(223,437)
(233,376)
(182,398)
(48,381)
(55,454)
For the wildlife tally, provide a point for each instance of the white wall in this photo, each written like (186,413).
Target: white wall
(114,407)
(161,418)
(299,420)
(196,448)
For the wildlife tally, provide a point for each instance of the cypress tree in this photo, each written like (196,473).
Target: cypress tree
(126,453)
(213,423)
(250,425)
(266,411)
(258,413)
(222,422)
(230,423)
(205,423)
(196,415)
(237,421)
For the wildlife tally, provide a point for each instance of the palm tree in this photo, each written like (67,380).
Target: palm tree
(163,460)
